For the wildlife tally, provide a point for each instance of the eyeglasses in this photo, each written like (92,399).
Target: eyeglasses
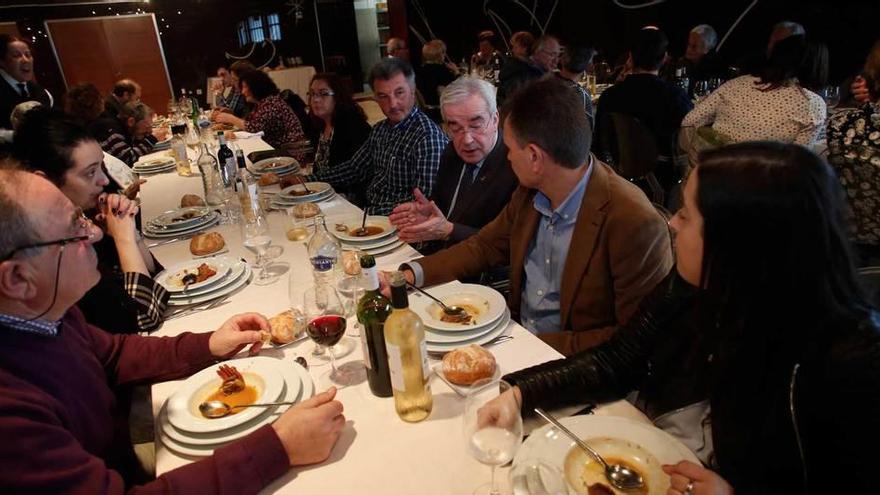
(474,128)
(83,225)
(320,94)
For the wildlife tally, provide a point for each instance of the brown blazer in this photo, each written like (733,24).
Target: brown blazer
(619,250)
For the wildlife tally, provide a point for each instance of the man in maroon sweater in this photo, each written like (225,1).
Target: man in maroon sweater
(60,425)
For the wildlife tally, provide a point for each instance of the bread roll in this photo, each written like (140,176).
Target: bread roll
(466,365)
(191,200)
(305,210)
(203,244)
(351,262)
(286,327)
(269,178)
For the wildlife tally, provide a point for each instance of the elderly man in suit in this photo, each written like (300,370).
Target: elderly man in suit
(583,244)
(474,179)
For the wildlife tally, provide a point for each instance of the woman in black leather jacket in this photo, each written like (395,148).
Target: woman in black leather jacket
(774,361)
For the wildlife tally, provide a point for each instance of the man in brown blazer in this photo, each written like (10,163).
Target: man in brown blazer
(584,245)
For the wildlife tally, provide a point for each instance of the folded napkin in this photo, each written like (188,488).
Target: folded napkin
(247,135)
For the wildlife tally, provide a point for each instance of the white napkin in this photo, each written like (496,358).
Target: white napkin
(118,170)
(247,135)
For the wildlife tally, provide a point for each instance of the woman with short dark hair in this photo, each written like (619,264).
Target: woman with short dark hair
(270,114)
(759,351)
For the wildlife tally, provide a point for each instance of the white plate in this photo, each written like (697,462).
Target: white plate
(205,450)
(229,289)
(285,163)
(372,221)
(489,301)
(165,233)
(294,391)
(292,200)
(155,162)
(385,249)
(551,446)
(281,205)
(170,277)
(182,406)
(499,329)
(373,244)
(440,337)
(176,229)
(235,272)
(200,214)
(317,188)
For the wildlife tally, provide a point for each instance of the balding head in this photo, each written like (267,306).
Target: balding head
(397,48)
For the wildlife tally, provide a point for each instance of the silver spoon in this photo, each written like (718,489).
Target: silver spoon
(217,408)
(450,310)
(622,477)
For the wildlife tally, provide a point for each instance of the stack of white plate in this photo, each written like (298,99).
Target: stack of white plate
(157,165)
(181,222)
(229,276)
(382,236)
(295,194)
(185,431)
(162,145)
(279,165)
(487,307)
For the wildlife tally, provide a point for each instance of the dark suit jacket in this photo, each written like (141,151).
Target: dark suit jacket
(10,97)
(619,251)
(483,201)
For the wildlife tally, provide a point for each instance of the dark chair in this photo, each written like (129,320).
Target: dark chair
(634,154)
(870,277)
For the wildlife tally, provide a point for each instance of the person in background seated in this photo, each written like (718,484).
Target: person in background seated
(486,50)
(583,245)
(397,48)
(64,430)
(84,103)
(516,72)
(575,61)
(474,178)
(402,152)
(226,95)
(433,76)
(131,135)
(522,45)
(700,60)
(124,91)
(127,299)
(341,124)
(754,64)
(742,349)
(270,114)
(17,83)
(854,152)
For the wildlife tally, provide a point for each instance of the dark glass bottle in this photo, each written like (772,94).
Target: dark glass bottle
(372,310)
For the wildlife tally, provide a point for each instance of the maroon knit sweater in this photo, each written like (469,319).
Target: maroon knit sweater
(62,431)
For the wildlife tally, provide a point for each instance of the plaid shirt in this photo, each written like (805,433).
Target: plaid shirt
(151,298)
(395,159)
(41,327)
(234,101)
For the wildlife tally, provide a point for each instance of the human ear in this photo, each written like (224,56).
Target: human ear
(17,280)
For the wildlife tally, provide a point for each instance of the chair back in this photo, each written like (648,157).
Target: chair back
(636,152)
(870,278)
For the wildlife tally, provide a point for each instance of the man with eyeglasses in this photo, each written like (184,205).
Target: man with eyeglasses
(474,181)
(63,430)
(516,72)
(583,244)
(402,152)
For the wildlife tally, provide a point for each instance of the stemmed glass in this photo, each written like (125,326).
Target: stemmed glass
(492,434)
(701,90)
(326,316)
(715,83)
(832,96)
(255,237)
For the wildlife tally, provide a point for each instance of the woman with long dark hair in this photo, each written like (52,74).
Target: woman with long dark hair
(127,299)
(759,351)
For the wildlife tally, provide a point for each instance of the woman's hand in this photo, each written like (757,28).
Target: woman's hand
(117,213)
(237,332)
(686,478)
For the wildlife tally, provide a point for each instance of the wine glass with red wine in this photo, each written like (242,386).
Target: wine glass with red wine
(326,315)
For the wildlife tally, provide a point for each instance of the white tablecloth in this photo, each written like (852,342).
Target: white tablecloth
(377,453)
(296,79)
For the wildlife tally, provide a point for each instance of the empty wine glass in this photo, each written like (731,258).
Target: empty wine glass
(326,316)
(831,94)
(701,90)
(491,438)
(255,237)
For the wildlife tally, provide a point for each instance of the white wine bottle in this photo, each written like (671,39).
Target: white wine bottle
(407,356)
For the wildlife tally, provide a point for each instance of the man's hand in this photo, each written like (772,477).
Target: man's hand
(702,481)
(859,90)
(217,85)
(385,281)
(160,133)
(224,118)
(133,189)
(420,220)
(237,332)
(310,429)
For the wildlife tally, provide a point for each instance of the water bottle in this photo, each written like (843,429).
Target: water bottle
(324,251)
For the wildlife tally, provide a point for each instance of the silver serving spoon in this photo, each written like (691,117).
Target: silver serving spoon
(217,408)
(622,477)
(188,279)
(450,310)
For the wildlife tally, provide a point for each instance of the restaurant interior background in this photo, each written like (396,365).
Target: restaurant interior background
(196,34)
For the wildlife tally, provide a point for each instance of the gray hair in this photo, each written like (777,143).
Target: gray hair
(793,28)
(16,228)
(708,34)
(466,86)
(20,110)
(138,110)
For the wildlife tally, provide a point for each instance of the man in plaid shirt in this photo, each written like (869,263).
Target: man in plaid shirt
(402,152)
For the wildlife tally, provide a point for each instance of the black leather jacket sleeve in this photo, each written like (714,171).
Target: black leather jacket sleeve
(612,370)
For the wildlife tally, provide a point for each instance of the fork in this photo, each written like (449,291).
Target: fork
(499,339)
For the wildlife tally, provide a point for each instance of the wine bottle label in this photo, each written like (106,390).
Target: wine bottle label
(371,278)
(423,350)
(395,366)
(368,361)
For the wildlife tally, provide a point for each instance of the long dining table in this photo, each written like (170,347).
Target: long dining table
(377,452)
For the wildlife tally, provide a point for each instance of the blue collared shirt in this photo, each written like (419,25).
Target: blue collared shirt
(545,259)
(41,327)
